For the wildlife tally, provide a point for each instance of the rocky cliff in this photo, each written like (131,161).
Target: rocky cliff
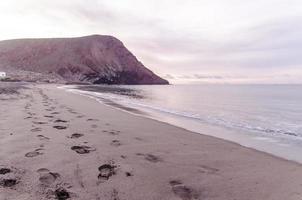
(93,59)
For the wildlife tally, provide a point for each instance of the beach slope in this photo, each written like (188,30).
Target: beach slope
(59,145)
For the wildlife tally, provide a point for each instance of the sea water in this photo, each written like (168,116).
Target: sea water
(264,117)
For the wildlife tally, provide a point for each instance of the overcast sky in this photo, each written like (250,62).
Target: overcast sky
(191,40)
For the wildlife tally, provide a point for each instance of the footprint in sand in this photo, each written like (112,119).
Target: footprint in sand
(47,177)
(7,177)
(36,130)
(60,127)
(34,153)
(31,114)
(182,191)
(42,137)
(62,194)
(115,143)
(94,120)
(128,174)
(9,182)
(60,121)
(76,135)
(112,132)
(150,157)
(82,149)
(39,123)
(106,171)
(55,113)
(50,179)
(5,171)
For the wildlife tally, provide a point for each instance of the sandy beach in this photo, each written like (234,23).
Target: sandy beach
(59,145)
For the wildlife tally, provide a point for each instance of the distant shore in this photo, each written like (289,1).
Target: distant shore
(59,145)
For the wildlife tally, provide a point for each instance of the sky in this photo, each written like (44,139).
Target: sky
(195,41)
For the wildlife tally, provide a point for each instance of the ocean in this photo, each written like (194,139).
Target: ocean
(263,117)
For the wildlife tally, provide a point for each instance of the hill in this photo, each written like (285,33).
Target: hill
(96,59)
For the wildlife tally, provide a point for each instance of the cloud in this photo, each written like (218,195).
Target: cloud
(265,48)
(212,39)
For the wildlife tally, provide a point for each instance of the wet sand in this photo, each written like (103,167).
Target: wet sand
(58,145)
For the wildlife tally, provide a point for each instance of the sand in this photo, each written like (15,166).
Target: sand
(59,145)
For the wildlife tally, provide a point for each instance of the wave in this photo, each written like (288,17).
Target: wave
(211,120)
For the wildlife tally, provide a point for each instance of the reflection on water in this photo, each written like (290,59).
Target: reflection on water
(129,92)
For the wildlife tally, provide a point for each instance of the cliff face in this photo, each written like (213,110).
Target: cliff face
(92,59)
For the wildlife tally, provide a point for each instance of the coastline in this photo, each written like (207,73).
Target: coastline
(150,159)
(271,145)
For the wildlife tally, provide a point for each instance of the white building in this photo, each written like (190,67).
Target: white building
(2,75)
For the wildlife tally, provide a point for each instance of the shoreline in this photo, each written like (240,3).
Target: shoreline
(233,136)
(70,143)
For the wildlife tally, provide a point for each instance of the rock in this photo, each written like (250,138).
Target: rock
(95,59)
